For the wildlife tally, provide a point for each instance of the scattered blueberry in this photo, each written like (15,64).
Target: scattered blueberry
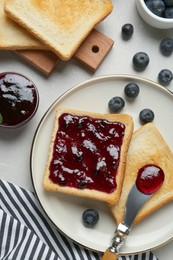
(116,104)
(141,60)
(90,217)
(146,115)
(127,30)
(168,2)
(166,45)
(157,7)
(131,90)
(165,76)
(168,13)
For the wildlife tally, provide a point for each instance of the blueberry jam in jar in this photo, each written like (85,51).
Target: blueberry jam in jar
(86,153)
(18,99)
(150,178)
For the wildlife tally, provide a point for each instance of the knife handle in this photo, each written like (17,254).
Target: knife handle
(108,255)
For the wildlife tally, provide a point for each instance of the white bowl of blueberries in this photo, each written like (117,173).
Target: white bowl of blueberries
(156,13)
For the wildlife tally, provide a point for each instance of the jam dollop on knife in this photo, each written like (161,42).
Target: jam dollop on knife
(150,178)
(86,153)
(18,99)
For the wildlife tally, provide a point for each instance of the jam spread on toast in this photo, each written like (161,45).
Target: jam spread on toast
(150,178)
(86,153)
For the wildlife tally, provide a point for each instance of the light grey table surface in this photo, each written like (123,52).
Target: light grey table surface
(15,145)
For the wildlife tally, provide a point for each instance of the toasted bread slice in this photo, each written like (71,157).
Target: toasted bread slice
(15,37)
(60,25)
(83,152)
(147,147)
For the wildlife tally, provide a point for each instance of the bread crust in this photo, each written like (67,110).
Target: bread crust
(13,36)
(92,194)
(61,27)
(147,147)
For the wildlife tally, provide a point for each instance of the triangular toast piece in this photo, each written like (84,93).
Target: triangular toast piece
(147,147)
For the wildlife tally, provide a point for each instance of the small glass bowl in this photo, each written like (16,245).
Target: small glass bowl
(19,100)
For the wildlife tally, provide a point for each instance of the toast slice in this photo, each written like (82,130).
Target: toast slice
(147,147)
(60,25)
(87,154)
(15,37)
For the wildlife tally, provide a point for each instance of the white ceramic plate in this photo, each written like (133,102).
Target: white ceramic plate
(65,211)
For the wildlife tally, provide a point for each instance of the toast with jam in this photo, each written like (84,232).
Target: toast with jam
(13,36)
(147,147)
(87,154)
(60,25)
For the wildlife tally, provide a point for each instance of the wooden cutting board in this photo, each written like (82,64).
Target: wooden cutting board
(90,54)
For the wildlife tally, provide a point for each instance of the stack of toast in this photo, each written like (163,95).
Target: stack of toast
(139,148)
(13,36)
(59,26)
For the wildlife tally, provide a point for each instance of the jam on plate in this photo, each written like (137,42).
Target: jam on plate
(150,178)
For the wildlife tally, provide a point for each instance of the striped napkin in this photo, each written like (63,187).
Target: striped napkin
(27,234)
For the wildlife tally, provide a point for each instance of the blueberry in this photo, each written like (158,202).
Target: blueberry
(116,104)
(127,30)
(131,90)
(146,115)
(168,2)
(90,217)
(157,7)
(168,13)
(141,60)
(166,45)
(165,76)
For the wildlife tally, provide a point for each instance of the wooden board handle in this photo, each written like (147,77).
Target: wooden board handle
(91,53)
(94,49)
(108,255)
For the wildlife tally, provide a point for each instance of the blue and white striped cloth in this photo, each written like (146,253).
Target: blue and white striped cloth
(27,234)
